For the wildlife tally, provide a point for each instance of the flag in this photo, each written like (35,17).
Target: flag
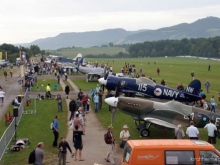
(0,55)
(23,54)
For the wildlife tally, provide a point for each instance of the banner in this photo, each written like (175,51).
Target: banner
(0,55)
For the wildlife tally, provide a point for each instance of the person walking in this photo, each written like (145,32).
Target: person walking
(67,90)
(92,93)
(110,141)
(100,98)
(5,74)
(192,131)
(58,79)
(63,146)
(207,85)
(59,102)
(39,154)
(192,75)
(72,108)
(209,68)
(77,140)
(11,72)
(211,128)
(56,128)
(2,95)
(158,71)
(213,104)
(124,136)
(96,102)
(179,133)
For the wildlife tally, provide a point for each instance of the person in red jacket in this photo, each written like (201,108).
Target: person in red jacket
(158,71)
(110,141)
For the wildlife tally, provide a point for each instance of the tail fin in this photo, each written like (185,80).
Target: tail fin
(194,87)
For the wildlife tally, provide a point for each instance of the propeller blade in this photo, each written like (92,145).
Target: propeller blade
(104,72)
(103,87)
(117,90)
(106,75)
(113,110)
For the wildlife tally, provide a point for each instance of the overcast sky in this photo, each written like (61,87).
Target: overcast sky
(23,21)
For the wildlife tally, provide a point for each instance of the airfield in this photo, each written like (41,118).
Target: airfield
(174,70)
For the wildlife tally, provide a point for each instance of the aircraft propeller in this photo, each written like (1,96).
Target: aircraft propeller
(105,76)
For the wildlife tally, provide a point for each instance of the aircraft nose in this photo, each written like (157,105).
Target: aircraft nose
(102,81)
(112,101)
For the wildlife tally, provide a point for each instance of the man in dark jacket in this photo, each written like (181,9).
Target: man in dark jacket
(110,141)
(72,108)
(63,146)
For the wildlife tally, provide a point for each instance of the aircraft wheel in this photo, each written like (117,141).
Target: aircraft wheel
(145,132)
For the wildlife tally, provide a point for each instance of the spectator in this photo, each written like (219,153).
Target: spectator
(80,94)
(158,71)
(2,95)
(63,146)
(209,68)
(5,74)
(77,140)
(100,99)
(124,135)
(96,101)
(84,103)
(211,128)
(192,75)
(48,90)
(92,92)
(66,76)
(16,103)
(11,72)
(59,102)
(140,71)
(179,133)
(72,108)
(213,104)
(163,82)
(39,154)
(97,88)
(110,143)
(58,79)
(207,85)
(192,131)
(67,90)
(56,128)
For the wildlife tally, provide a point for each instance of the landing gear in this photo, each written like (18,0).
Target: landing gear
(144,132)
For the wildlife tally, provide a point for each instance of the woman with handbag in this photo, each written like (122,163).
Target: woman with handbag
(124,136)
(179,133)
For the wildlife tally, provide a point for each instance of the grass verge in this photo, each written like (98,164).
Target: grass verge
(42,83)
(85,86)
(37,128)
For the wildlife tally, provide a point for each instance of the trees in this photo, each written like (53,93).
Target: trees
(34,49)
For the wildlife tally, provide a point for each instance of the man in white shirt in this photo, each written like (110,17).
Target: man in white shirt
(211,128)
(124,135)
(2,95)
(192,131)
(16,103)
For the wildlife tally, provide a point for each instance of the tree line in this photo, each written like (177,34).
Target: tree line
(13,51)
(202,47)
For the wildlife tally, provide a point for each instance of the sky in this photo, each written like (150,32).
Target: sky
(23,21)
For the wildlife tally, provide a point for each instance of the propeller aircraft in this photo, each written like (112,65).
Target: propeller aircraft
(147,87)
(168,114)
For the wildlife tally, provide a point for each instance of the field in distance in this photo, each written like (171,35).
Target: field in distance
(71,53)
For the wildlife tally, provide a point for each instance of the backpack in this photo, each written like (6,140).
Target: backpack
(73,105)
(51,125)
(31,158)
(105,138)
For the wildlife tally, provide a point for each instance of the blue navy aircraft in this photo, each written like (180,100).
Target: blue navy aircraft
(147,87)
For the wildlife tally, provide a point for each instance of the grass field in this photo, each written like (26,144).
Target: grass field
(72,53)
(37,128)
(85,86)
(173,70)
(42,83)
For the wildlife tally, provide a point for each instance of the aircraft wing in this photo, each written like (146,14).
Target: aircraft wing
(159,122)
(95,74)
